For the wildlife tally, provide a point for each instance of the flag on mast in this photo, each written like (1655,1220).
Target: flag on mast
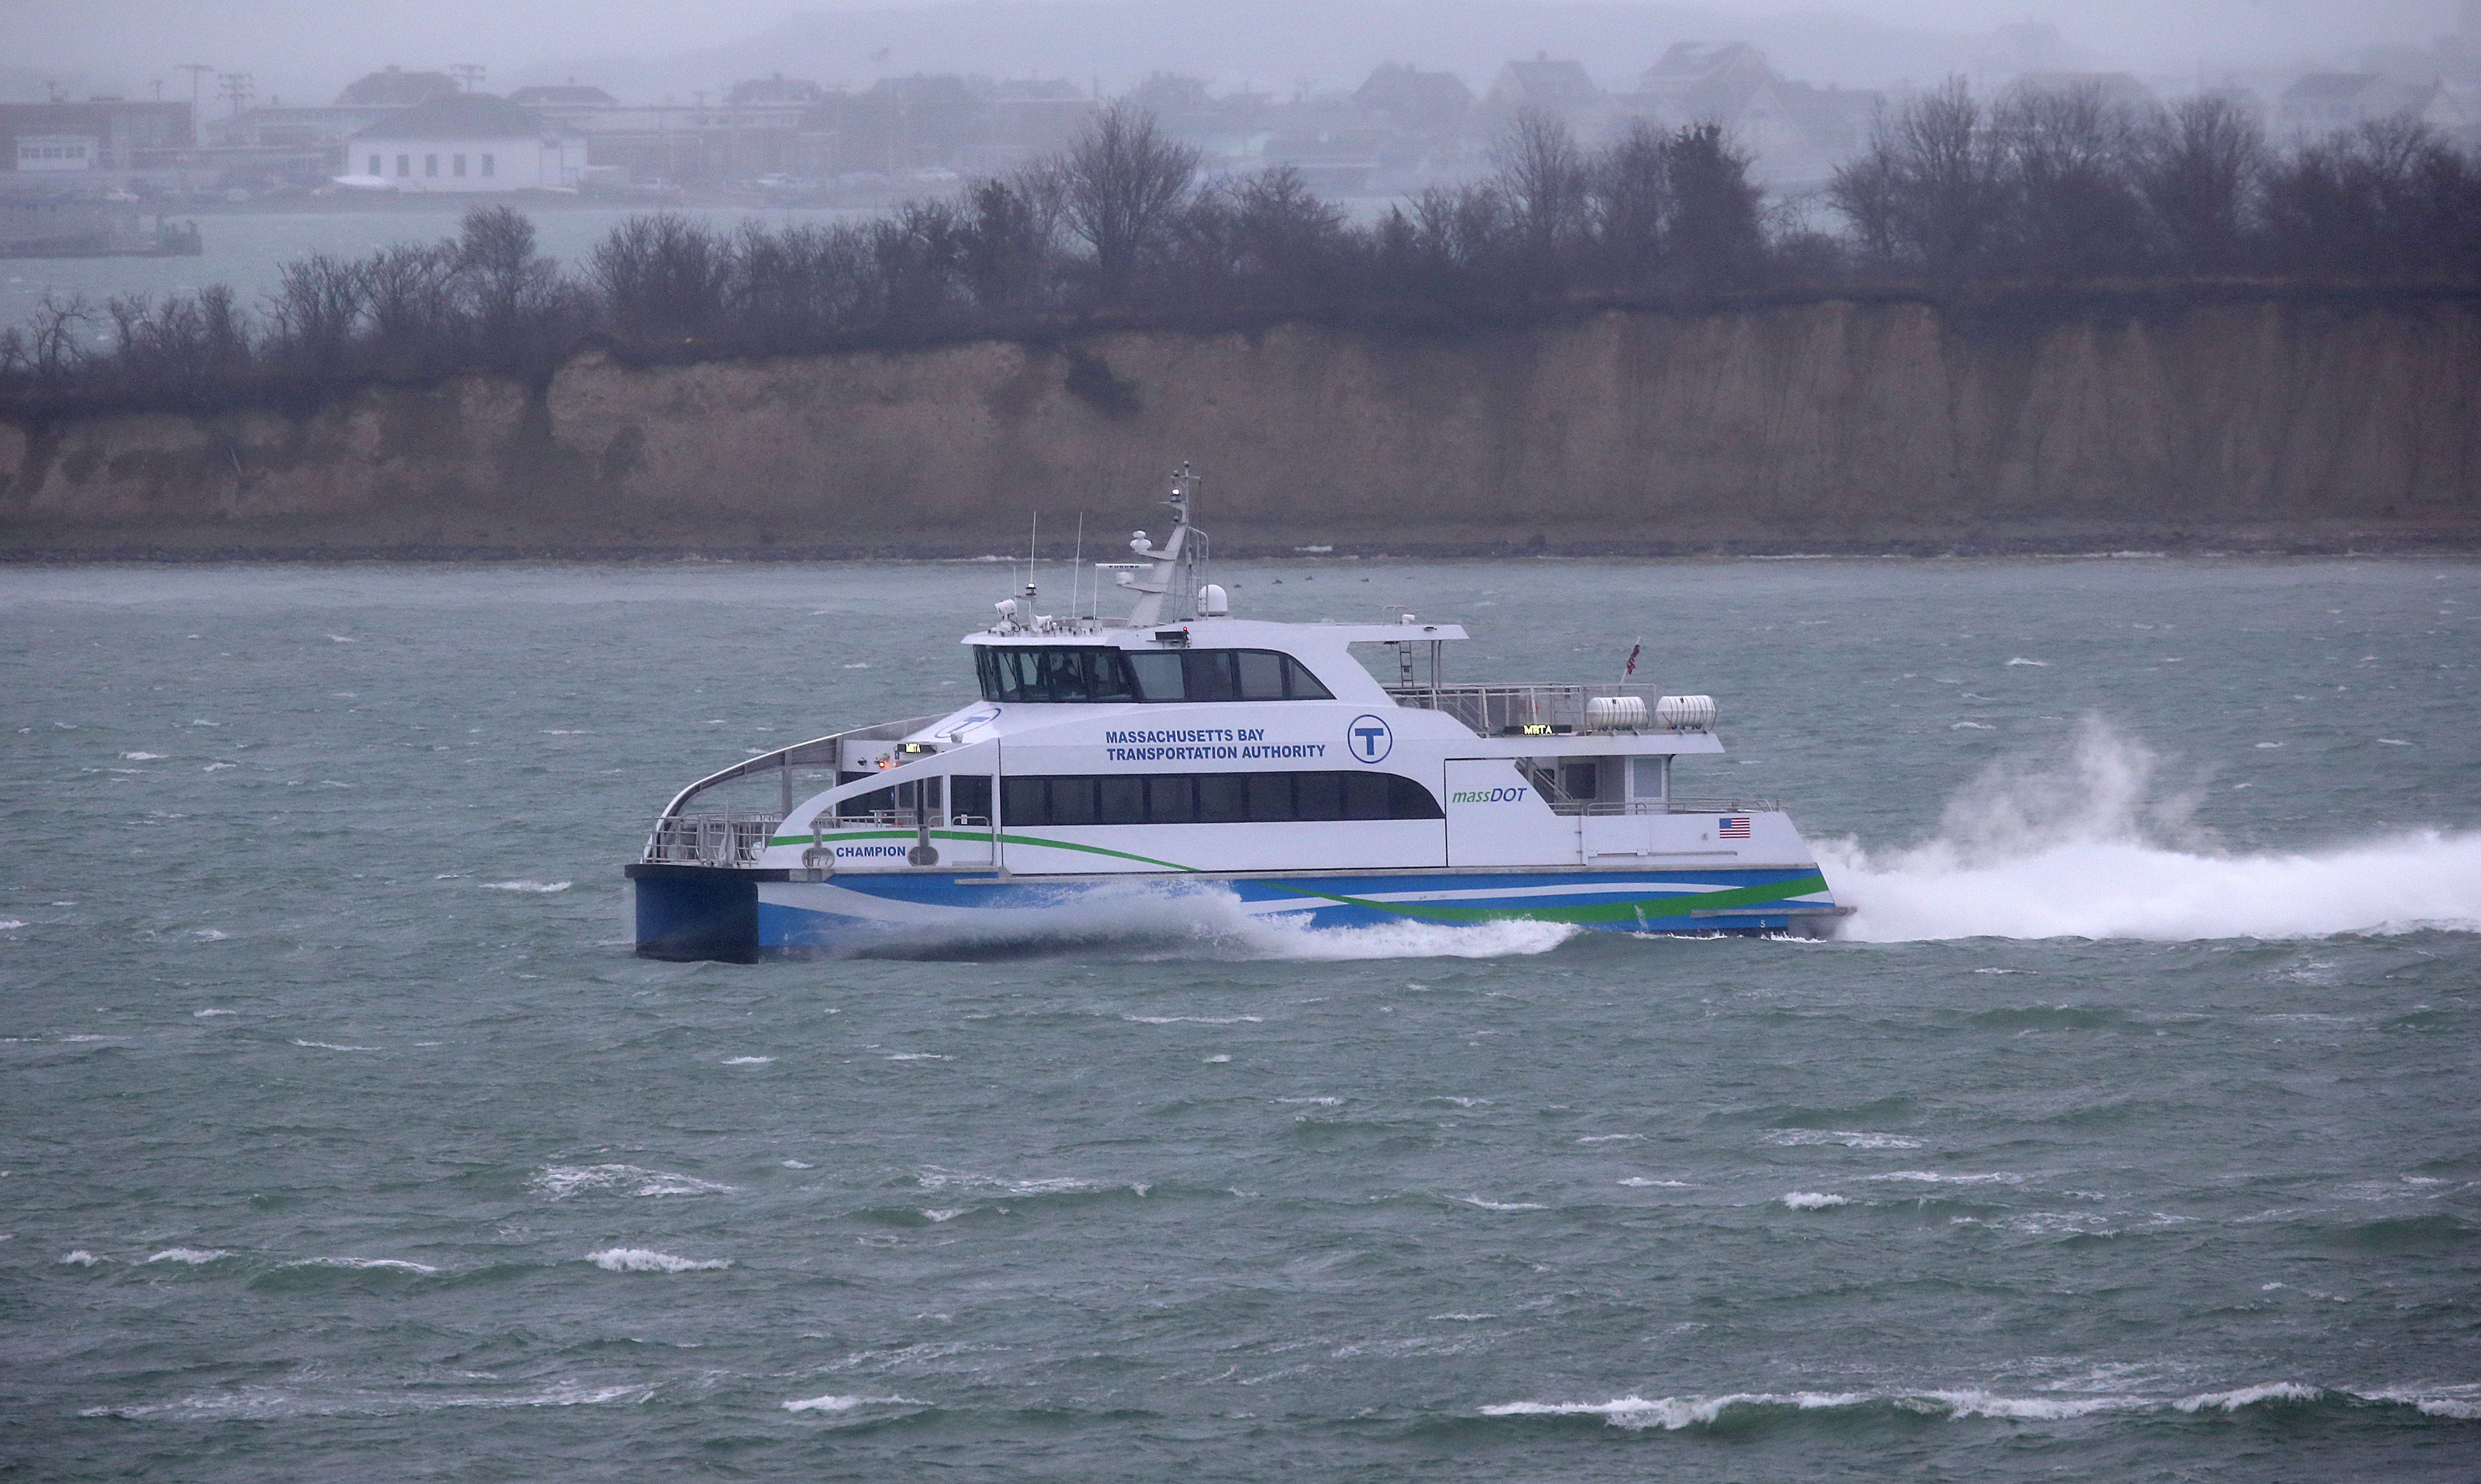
(1634,652)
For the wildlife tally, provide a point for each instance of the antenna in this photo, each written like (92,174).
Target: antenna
(1076,565)
(1032,541)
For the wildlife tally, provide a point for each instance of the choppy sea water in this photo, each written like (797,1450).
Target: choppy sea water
(2131,1133)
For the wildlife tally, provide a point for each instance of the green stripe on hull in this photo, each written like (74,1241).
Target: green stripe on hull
(1677,905)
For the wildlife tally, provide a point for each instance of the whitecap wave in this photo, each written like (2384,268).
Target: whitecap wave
(1478,1200)
(560,1182)
(833,1403)
(2248,1397)
(141,757)
(1849,1138)
(1674,1413)
(191,1255)
(1196,1020)
(543,887)
(937,1178)
(2090,847)
(9,925)
(1934,1178)
(378,1264)
(268,1404)
(1811,1199)
(80,1258)
(332,1046)
(747,1061)
(646,1260)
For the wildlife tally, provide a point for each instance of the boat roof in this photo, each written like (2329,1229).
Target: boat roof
(1221,633)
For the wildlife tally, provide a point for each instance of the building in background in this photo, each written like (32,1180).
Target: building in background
(2323,102)
(118,136)
(1796,133)
(469,142)
(1560,89)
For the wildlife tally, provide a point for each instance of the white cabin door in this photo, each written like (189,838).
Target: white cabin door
(1496,818)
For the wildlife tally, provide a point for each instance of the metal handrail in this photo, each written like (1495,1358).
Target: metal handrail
(1495,709)
(721,836)
(1598,809)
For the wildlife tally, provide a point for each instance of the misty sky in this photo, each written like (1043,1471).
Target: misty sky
(303,50)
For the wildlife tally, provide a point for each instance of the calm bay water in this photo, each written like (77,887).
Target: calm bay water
(2132,1135)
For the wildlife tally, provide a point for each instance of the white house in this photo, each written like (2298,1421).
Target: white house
(469,142)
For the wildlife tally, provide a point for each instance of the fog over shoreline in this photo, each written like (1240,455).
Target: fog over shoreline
(299,52)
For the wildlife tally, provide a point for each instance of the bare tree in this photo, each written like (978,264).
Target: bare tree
(2364,200)
(2200,171)
(1007,240)
(1868,189)
(2068,161)
(662,276)
(919,257)
(510,285)
(1928,184)
(1541,171)
(1631,200)
(1123,180)
(1286,234)
(318,307)
(415,319)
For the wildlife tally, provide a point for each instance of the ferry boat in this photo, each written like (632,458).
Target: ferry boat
(1182,765)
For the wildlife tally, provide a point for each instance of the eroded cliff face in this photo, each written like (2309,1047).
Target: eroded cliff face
(1827,426)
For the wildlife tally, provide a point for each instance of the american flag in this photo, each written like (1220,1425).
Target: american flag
(1635,651)
(1732,826)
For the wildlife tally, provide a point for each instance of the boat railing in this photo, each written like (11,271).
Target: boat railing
(1598,809)
(1536,708)
(717,837)
(1738,805)
(820,752)
(906,818)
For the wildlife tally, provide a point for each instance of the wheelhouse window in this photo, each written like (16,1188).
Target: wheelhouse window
(1091,673)
(1211,798)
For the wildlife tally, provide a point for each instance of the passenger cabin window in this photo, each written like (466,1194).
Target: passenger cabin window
(1211,798)
(1093,672)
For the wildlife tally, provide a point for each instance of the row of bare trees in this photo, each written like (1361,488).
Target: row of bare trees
(2069,184)
(2046,186)
(485,301)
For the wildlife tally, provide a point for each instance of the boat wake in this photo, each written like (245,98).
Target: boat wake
(1143,925)
(2090,849)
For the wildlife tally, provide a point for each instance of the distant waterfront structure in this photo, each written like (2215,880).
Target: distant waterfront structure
(393,86)
(1798,132)
(2322,102)
(113,134)
(469,142)
(566,94)
(1410,98)
(1555,86)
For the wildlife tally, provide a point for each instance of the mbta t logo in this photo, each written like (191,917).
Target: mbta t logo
(1369,739)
